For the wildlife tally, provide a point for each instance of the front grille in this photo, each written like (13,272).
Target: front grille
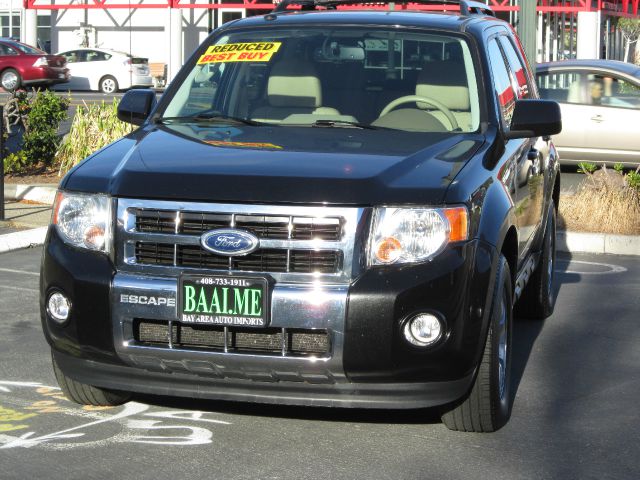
(269,341)
(297,244)
(275,227)
(262,260)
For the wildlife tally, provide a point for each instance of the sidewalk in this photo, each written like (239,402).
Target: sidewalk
(28,212)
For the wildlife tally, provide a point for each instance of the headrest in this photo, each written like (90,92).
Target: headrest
(445,81)
(294,84)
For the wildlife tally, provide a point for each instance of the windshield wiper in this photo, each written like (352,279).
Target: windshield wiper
(343,124)
(211,116)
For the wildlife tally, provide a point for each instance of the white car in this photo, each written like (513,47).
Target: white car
(105,70)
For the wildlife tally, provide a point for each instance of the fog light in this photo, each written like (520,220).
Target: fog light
(423,330)
(59,307)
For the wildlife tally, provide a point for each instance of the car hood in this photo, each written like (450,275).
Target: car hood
(277,165)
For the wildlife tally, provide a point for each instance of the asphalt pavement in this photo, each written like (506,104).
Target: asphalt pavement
(576,376)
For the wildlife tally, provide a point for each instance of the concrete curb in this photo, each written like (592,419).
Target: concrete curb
(23,239)
(35,193)
(598,243)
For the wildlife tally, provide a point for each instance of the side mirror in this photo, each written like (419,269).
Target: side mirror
(136,105)
(535,118)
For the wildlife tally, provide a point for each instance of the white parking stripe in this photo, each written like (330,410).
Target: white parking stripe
(609,268)
(21,289)
(10,270)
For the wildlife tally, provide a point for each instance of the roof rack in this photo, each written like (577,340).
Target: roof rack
(466,7)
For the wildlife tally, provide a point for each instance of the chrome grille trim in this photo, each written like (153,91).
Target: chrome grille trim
(349,218)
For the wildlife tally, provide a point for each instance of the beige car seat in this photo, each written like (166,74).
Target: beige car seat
(446,82)
(293,88)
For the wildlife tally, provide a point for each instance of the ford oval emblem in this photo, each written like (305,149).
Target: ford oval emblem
(229,242)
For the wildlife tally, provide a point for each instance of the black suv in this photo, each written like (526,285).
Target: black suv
(327,207)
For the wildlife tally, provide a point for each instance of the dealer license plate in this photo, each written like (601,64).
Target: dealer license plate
(223,300)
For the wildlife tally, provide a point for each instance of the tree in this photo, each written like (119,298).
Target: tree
(630,29)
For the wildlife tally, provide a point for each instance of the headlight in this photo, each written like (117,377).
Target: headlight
(408,235)
(83,220)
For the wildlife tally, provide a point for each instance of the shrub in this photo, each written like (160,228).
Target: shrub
(94,126)
(15,162)
(606,202)
(45,112)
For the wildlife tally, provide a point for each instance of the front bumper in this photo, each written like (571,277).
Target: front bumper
(355,395)
(369,364)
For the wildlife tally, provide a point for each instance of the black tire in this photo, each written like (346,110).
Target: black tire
(88,394)
(538,298)
(488,406)
(108,84)
(10,80)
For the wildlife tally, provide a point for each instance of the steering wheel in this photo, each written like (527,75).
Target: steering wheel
(417,98)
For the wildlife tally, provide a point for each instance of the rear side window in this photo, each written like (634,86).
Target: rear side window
(502,82)
(95,56)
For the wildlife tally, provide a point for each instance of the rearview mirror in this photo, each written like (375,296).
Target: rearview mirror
(535,118)
(136,105)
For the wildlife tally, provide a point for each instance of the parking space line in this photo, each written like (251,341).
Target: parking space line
(21,289)
(25,272)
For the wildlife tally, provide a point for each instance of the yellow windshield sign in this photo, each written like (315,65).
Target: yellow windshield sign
(240,52)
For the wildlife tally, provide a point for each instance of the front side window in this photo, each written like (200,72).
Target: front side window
(504,91)
(345,76)
(519,78)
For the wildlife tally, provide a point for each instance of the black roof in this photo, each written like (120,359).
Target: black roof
(465,7)
(408,18)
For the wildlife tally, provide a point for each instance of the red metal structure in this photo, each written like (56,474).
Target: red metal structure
(557,21)
(610,7)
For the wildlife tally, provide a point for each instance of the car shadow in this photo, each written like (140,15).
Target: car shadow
(526,331)
(321,414)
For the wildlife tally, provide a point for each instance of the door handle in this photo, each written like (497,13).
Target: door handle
(598,118)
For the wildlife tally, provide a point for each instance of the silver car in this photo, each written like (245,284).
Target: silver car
(600,102)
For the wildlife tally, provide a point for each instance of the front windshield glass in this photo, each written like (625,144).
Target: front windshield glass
(343,77)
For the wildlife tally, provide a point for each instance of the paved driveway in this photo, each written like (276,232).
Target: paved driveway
(575,414)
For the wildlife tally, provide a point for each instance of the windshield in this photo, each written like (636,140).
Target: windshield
(345,77)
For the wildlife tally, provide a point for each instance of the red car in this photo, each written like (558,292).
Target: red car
(23,65)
